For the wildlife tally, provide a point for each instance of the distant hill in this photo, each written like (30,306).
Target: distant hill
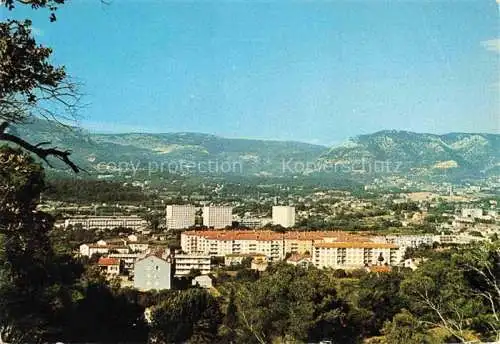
(93,151)
(403,151)
(424,153)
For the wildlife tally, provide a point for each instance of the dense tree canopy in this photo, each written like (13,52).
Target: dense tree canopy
(46,296)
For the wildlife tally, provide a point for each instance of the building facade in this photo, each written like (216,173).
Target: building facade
(106,222)
(275,246)
(284,216)
(352,255)
(180,216)
(185,263)
(152,272)
(217,217)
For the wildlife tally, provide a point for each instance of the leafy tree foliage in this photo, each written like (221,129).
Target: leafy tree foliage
(444,294)
(186,316)
(85,191)
(45,296)
(381,298)
(405,329)
(291,303)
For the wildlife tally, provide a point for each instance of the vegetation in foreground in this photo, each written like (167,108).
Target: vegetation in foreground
(49,296)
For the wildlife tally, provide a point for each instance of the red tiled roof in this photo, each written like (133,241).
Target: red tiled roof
(266,235)
(298,257)
(108,261)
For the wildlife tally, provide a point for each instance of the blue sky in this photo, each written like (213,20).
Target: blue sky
(315,71)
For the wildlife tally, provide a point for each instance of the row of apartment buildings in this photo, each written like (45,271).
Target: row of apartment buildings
(183,216)
(179,217)
(328,248)
(106,222)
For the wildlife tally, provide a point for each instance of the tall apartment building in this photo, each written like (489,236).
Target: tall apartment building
(217,217)
(180,216)
(284,216)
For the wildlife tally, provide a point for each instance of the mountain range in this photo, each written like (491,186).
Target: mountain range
(387,151)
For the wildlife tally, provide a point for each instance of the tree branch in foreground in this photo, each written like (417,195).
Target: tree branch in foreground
(42,153)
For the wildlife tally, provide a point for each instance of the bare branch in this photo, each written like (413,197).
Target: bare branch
(42,153)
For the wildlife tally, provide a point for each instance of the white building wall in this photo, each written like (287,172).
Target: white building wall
(152,273)
(185,263)
(284,216)
(180,216)
(217,217)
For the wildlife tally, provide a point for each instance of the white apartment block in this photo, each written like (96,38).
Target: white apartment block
(180,216)
(460,239)
(284,216)
(217,217)
(223,243)
(184,263)
(107,222)
(352,255)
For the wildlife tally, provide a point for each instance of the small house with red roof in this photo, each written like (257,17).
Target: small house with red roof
(111,266)
(298,259)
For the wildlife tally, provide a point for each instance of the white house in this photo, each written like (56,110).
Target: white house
(152,272)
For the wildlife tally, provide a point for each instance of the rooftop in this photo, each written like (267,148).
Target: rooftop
(108,261)
(266,235)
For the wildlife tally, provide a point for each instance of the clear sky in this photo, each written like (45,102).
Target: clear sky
(316,71)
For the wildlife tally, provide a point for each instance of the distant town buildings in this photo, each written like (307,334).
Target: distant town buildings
(180,216)
(472,213)
(217,216)
(412,241)
(254,222)
(284,216)
(106,222)
(117,247)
